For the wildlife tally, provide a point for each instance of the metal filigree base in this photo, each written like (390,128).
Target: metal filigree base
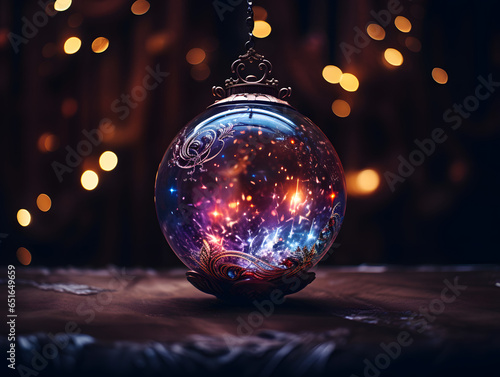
(221,276)
(250,289)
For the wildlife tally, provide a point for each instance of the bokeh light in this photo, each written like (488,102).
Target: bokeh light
(89,180)
(72,45)
(341,108)
(48,142)
(439,75)
(43,202)
(364,182)
(403,24)
(368,180)
(62,5)
(200,72)
(23,217)
(260,14)
(413,44)
(157,43)
(376,32)
(100,45)
(196,56)
(332,73)
(349,82)
(23,256)
(261,29)
(393,57)
(69,107)
(140,7)
(108,161)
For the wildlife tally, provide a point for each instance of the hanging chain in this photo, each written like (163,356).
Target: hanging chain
(250,24)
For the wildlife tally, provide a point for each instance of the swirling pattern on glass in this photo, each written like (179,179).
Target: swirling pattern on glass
(257,183)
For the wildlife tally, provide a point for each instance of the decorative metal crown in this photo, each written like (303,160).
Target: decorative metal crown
(251,83)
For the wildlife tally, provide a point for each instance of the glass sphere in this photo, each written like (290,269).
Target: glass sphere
(254,181)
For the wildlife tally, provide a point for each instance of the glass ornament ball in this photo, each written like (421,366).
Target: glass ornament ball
(250,191)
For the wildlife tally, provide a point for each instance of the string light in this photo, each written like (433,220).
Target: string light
(23,217)
(364,182)
(108,161)
(140,7)
(43,202)
(341,108)
(332,74)
(261,29)
(196,56)
(260,14)
(439,75)
(402,24)
(393,57)
(62,5)
(72,45)
(89,180)
(100,45)
(375,32)
(349,82)
(368,180)
(48,142)
(23,256)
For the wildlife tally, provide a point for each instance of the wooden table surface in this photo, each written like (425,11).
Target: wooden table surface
(351,321)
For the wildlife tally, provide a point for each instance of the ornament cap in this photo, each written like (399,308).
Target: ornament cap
(251,84)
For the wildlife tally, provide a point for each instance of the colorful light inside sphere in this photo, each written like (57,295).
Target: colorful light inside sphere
(250,194)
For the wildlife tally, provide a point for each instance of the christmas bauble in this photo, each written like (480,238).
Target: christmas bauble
(249,195)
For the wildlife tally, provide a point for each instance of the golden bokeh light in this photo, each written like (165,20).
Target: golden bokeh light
(108,161)
(393,57)
(62,5)
(100,45)
(261,29)
(413,44)
(43,202)
(196,56)
(260,14)
(48,142)
(89,180)
(23,256)
(332,73)
(439,75)
(403,24)
(376,32)
(23,217)
(349,82)
(200,72)
(362,182)
(341,108)
(368,180)
(72,45)
(140,7)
